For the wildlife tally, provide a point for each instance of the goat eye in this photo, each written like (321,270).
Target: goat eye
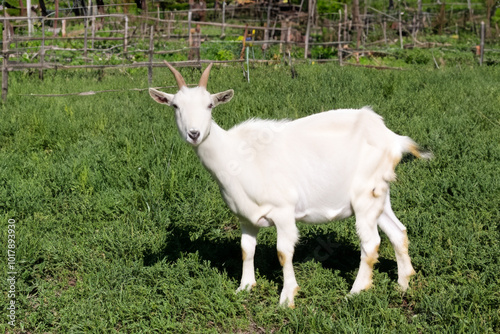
(210,106)
(175,106)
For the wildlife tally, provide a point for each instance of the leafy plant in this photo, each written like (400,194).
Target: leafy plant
(224,55)
(321,52)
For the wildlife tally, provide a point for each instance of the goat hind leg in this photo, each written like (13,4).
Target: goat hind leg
(367,208)
(370,242)
(396,232)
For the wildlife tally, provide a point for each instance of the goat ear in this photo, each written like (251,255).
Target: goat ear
(222,97)
(161,97)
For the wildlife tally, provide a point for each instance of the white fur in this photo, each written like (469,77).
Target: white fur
(315,169)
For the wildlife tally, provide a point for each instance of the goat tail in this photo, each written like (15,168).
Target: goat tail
(409,146)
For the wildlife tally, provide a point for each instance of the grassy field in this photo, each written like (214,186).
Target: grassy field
(119,229)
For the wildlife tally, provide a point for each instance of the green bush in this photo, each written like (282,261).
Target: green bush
(414,56)
(328,6)
(224,55)
(322,52)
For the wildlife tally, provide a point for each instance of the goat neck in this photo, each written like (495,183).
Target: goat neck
(215,150)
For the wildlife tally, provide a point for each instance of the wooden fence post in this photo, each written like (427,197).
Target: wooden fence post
(357,21)
(420,24)
(190,17)
(93,27)
(340,47)
(222,33)
(63,28)
(482,44)
(56,15)
(288,34)
(42,52)
(384,27)
(400,26)
(414,29)
(345,23)
(366,22)
(169,24)
(30,22)
(198,43)
(308,28)
(125,35)
(268,22)
(471,15)
(5,60)
(86,25)
(244,43)
(151,49)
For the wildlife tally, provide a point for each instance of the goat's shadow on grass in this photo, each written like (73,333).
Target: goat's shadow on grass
(225,255)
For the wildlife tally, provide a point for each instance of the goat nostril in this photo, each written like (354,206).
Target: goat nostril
(194,134)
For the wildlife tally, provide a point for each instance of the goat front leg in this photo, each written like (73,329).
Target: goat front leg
(248,243)
(288,235)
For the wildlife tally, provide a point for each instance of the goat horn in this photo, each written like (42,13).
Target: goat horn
(178,77)
(204,77)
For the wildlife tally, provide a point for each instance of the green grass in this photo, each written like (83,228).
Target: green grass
(121,230)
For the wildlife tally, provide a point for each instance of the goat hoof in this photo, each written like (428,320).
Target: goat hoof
(287,297)
(246,287)
(404,280)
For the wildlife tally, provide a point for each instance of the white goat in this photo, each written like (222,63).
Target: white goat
(315,169)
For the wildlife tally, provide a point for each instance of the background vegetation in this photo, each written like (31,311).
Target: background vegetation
(121,230)
(447,31)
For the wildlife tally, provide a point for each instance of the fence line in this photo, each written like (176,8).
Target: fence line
(124,35)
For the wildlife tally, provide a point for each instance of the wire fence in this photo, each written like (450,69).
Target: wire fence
(229,33)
